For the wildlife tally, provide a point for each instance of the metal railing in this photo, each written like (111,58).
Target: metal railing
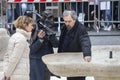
(91,13)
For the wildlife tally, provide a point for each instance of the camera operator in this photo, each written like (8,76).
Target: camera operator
(42,43)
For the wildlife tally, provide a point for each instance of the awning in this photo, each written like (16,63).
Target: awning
(43,1)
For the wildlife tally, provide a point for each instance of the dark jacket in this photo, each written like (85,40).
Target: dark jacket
(75,40)
(39,48)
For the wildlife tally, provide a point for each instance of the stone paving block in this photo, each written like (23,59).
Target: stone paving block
(1,75)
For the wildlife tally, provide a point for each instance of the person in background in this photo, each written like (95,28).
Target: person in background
(74,38)
(26,7)
(118,27)
(16,59)
(81,8)
(41,44)
(10,17)
(105,6)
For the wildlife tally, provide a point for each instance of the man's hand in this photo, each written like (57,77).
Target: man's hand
(41,34)
(7,78)
(87,58)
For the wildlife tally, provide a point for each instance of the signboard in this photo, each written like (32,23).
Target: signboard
(105,5)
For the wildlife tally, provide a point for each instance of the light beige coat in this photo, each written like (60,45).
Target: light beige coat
(16,59)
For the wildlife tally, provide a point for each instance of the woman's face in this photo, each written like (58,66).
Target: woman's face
(29,27)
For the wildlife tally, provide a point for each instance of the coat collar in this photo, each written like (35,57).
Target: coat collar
(26,34)
(73,29)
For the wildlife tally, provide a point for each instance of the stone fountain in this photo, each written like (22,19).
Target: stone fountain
(4,38)
(105,64)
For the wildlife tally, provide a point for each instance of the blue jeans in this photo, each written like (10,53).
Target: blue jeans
(107,17)
(26,6)
(10,16)
(30,6)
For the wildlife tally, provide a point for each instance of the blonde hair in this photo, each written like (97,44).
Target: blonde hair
(22,21)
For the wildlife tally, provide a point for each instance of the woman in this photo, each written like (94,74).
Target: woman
(16,59)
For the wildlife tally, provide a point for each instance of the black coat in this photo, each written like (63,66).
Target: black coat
(77,40)
(38,48)
(38,69)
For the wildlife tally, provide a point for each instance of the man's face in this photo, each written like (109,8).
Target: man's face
(69,21)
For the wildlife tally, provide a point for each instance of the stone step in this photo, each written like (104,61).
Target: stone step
(104,33)
(105,37)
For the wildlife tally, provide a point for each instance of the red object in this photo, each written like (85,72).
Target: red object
(17,0)
(30,0)
(43,1)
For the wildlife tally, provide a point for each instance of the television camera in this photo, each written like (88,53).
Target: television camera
(44,22)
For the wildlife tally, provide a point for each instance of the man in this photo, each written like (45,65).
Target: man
(74,38)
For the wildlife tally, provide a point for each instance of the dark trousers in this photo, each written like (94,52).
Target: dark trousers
(75,78)
(38,70)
